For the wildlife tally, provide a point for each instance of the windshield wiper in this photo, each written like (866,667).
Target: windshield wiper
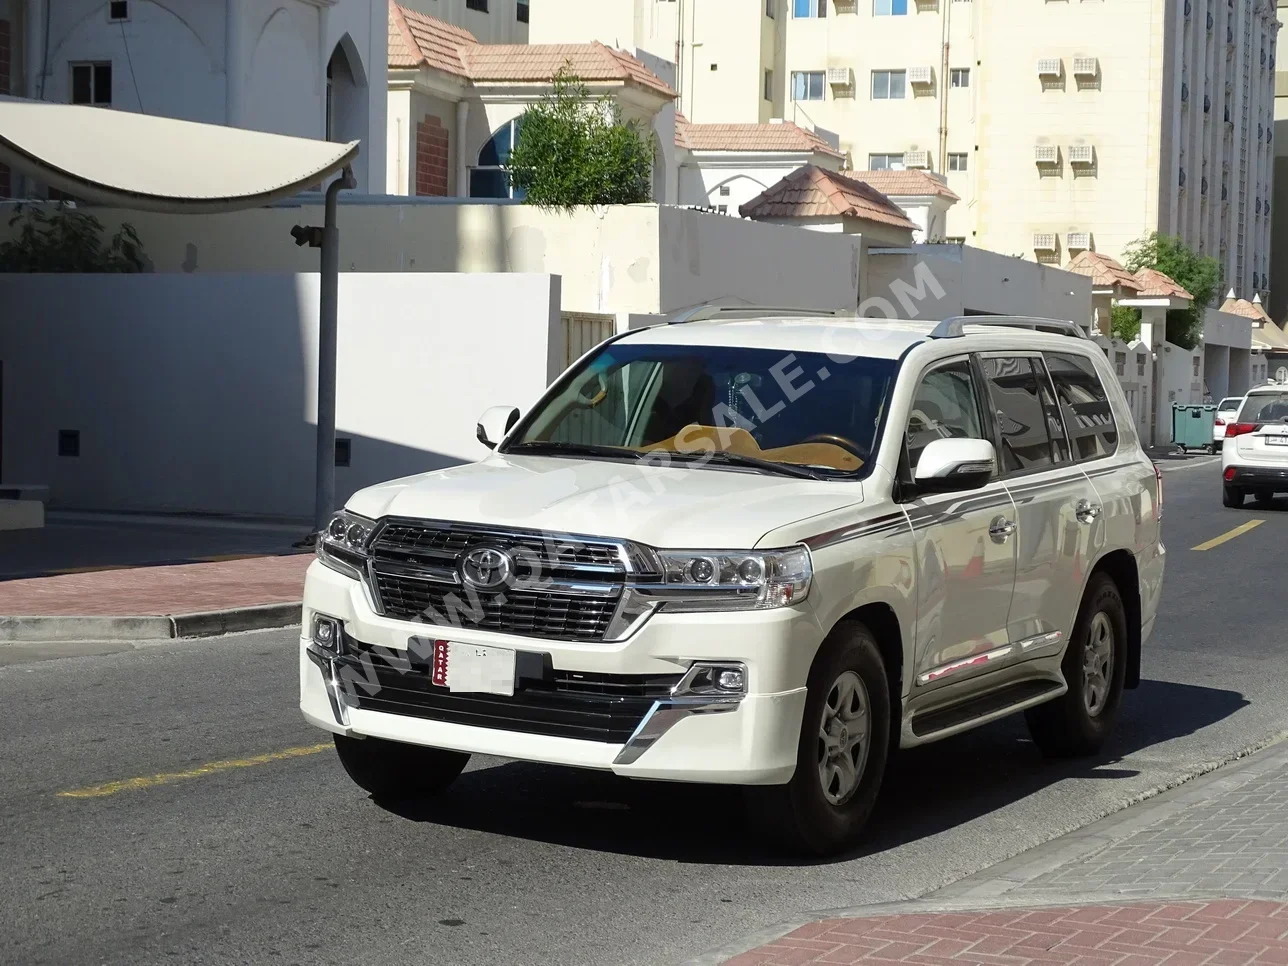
(542,447)
(724,458)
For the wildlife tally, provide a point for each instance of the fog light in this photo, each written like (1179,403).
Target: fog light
(326,632)
(730,680)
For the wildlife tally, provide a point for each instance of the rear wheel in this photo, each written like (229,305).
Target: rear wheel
(1231,496)
(841,758)
(394,771)
(1095,665)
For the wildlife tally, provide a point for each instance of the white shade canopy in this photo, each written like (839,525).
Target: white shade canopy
(148,163)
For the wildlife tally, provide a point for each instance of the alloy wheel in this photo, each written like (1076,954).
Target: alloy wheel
(843,738)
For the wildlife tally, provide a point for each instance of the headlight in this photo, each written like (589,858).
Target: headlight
(342,546)
(713,580)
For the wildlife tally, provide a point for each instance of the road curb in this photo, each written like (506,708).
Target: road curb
(994,887)
(47,629)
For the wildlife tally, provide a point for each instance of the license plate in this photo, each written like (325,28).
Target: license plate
(473,669)
(1276,440)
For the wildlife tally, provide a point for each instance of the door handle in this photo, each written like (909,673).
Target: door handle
(1000,529)
(1086,511)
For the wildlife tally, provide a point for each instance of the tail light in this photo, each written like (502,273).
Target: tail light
(1241,429)
(1229,473)
(1220,422)
(1158,500)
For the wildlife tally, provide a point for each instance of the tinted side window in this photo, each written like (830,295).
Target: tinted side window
(944,406)
(1086,407)
(1015,394)
(1055,425)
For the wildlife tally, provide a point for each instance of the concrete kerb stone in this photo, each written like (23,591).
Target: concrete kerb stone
(994,888)
(51,629)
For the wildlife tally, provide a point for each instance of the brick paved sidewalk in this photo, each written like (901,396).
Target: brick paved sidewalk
(163,591)
(1223,933)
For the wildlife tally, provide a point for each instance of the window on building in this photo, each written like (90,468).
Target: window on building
(809,8)
(885,162)
(480,5)
(807,85)
(521,12)
(955,240)
(1021,416)
(890,8)
(889,85)
(722,209)
(118,10)
(489,178)
(724,191)
(959,77)
(769,85)
(958,161)
(92,84)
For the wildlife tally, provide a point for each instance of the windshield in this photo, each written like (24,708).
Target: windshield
(1264,407)
(1230,405)
(756,408)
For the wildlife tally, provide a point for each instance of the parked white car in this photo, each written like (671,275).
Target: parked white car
(1226,410)
(1254,456)
(755,549)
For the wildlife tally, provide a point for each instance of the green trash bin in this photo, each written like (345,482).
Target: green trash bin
(1192,426)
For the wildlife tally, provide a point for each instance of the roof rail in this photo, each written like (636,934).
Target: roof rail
(714,310)
(955,327)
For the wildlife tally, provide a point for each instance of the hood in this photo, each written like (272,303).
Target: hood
(678,507)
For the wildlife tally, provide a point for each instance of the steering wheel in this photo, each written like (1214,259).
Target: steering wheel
(842,441)
(599,396)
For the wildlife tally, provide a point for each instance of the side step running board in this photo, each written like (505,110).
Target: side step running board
(1012,697)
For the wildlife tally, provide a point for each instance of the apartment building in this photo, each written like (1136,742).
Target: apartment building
(489,21)
(1063,125)
(1278,302)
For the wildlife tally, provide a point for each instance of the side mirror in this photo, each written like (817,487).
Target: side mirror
(494,424)
(948,465)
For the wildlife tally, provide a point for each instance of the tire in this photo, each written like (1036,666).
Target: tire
(1231,496)
(392,771)
(1077,723)
(803,816)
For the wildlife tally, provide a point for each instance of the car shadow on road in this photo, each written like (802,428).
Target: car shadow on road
(927,790)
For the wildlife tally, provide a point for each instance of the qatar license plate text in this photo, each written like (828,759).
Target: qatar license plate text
(473,669)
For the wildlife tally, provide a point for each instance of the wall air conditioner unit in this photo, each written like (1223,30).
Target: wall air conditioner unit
(1050,67)
(1044,241)
(1082,154)
(916,159)
(1086,66)
(1078,240)
(921,75)
(1046,154)
(840,76)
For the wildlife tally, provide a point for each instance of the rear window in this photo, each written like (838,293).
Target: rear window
(1230,404)
(1264,407)
(1085,405)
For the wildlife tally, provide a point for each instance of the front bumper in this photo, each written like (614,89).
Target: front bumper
(744,739)
(1254,477)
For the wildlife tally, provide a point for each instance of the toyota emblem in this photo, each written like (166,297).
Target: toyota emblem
(486,568)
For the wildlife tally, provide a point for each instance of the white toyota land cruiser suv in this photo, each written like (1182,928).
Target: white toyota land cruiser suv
(755,548)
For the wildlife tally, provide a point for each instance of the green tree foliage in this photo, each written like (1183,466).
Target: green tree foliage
(1125,322)
(576,150)
(65,239)
(1200,275)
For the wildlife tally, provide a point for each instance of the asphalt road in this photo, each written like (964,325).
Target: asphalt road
(277,858)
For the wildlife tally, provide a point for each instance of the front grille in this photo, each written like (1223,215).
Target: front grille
(403,550)
(562,704)
(525,612)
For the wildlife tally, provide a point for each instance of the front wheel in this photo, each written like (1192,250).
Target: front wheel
(841,758)
(1095,668)
(1231,496)
(394,771)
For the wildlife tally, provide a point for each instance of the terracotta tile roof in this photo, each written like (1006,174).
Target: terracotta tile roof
(900,183)
(749,137)
(1104,271)
(540,62)
(1154,284)
(1248,310)
(417,40)
(812,192)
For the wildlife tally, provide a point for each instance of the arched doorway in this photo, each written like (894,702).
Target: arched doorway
(347,104)
(489,177)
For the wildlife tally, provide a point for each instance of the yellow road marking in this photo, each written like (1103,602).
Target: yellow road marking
(210,768)
(1230,535)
